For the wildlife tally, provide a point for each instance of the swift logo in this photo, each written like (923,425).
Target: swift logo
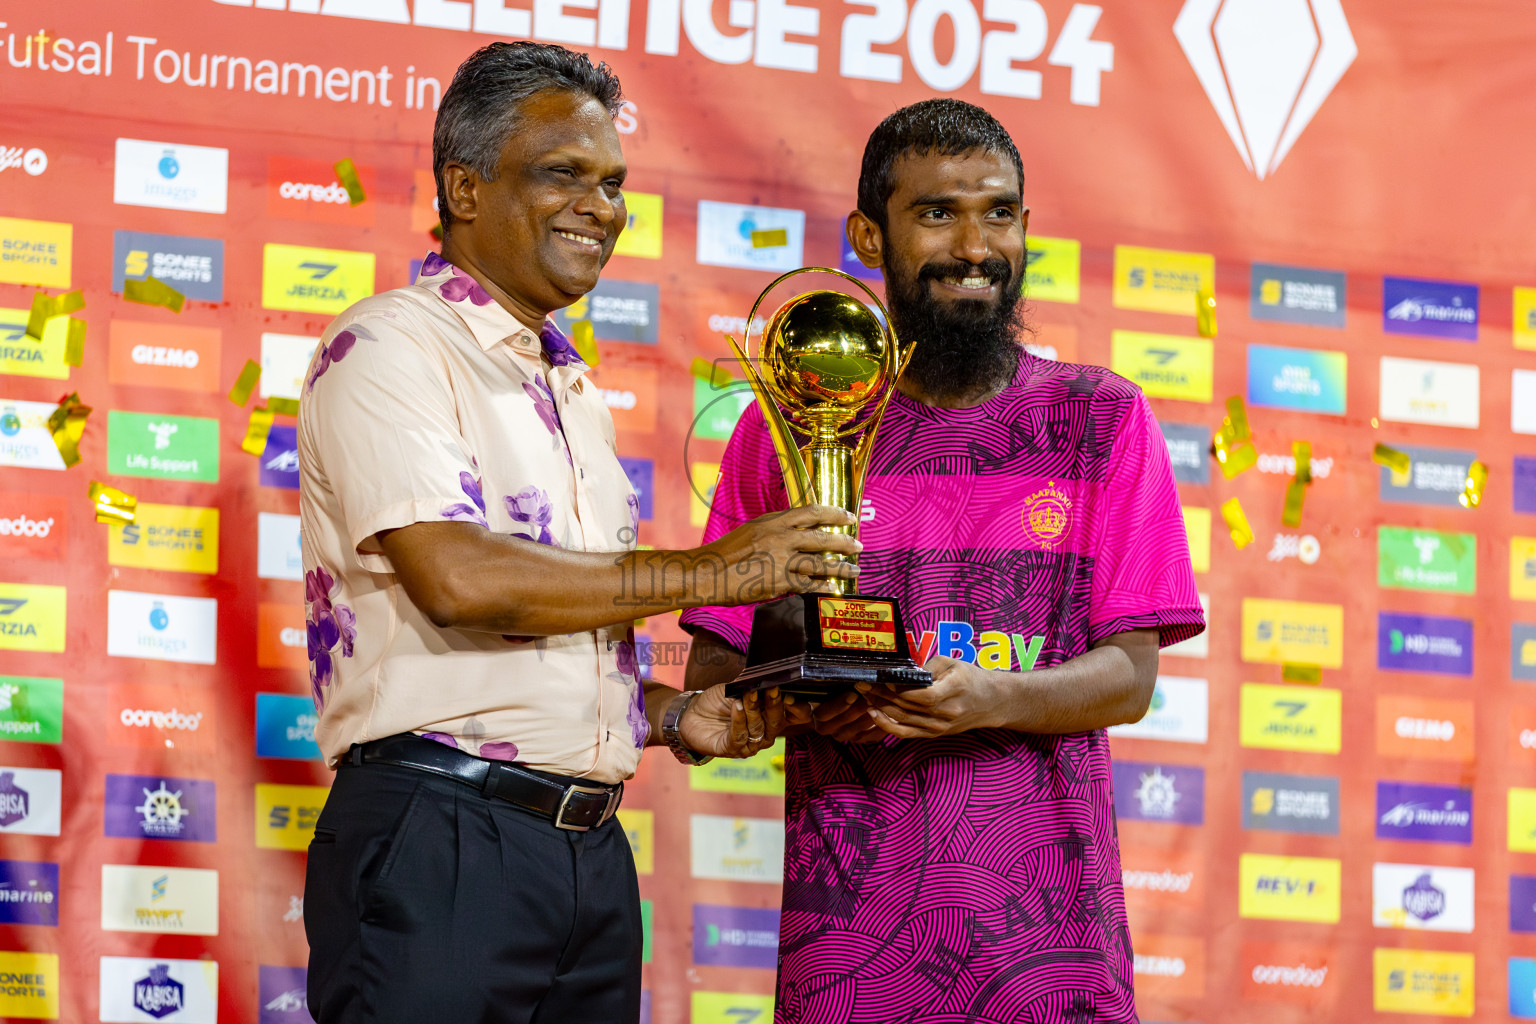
(1266,68)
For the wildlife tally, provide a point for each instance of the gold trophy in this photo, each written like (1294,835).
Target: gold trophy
(828,359)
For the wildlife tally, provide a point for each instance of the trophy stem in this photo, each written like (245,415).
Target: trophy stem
(830,465)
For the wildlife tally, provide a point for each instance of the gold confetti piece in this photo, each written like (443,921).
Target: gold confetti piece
(250,376)
(154,292)
(1472,492)
(1205,313)
(1301,673)
(777,762)
(1398,462)
(256,430)
(713,374)
(346,174)
(1302,451)
(280,406)
(113,505)
(1236,459)
(67,425)
(585,341)
(74,343)
(45,308)
(773,238)
(1237,416)
(1295,497)
(1237,523)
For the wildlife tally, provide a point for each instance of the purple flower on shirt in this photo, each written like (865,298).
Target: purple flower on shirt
(543,403)
(639,725)
(337,349)
(472,513)
(499,751)
(633,501)
(558,348)
(327,625)
(433,265)
(532,507)
(441,737)
(459,286)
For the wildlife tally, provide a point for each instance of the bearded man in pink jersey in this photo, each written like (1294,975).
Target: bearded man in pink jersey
(951,853)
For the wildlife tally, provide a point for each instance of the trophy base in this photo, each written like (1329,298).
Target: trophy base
(818,645)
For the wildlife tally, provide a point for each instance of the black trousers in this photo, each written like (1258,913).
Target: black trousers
(427,902)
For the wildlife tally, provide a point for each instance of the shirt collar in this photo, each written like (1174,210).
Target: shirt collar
(491,324)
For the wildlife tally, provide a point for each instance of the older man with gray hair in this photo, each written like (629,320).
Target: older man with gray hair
(470,581)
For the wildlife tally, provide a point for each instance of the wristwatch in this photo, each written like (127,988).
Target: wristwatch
(672,737)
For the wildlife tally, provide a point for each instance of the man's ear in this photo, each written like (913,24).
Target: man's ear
(460,187)
(865,238)
(1024,219)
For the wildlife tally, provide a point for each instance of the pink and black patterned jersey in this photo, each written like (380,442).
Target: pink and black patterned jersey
(976,878)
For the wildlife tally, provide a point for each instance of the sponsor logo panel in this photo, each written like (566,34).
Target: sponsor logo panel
(166,447)
(1525,318)
(160,716)
(1522,903)
(1276,802)
(30,800)
(178,538)
(1307,718)
(1430,560)
(730,1008)
(1158,881)
(1297,378)
(755,774)
(1289,888)
(735,936)
(1522,651)
(617,310)
(1437,477)
(163,355)
(750,237)
(1056,342)
(300,189)
(1522,819)
(281,638)
(737,849)
(642,477)
(1053,269)
(31,709)
(279,463)
(1424,813)
(1179,711)
(1522,417)
(1164,365)
(642,232)
(134,989)
(177,901)
(277,547)
(1423,728)
(1169,793)
(1522,568)
(1189,447)
(1169,967)
(1524,484)
(307,280)
(1424,643)
(31,988)
(1522,735)
(1426,391)
(161,807)
(33,525)
(193,266)
(716,410)
(1161,280)
(171,176)
(639,827)
(162,627)
(25,356)
(286,815)
(1286,972)
(1293,633)
(1433,309)
(1522,988)
(630,395)
(1297,295)
(1197,530)
(25,441)
(285,363)
(1199,645)
(32,617)
(1423,981)
(285,727)
(29,894)
(1422,897)
(282,995)
(36,252)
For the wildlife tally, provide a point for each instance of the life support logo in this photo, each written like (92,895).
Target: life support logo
(1047,515)
(1266,68)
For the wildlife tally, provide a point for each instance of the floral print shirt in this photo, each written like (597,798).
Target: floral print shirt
(432,403)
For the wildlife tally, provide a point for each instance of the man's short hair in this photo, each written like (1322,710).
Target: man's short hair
(944,126)
(480,110)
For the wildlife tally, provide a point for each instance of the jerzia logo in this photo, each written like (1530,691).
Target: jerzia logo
(1266,68)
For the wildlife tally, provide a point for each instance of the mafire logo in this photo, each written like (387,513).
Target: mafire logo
(34,161)
(1266,67)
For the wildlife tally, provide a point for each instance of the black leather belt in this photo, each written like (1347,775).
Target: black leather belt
(572,806)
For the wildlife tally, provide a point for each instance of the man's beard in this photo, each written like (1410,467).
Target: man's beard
(965,347)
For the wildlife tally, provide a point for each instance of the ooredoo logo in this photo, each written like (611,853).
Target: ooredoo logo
(159,716)
(308,190)
(1266,68)
(1285,972)
(33,525)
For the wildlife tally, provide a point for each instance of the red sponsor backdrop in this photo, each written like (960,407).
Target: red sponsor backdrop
(1416,163)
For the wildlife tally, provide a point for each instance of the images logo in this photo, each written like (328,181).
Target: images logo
(1422,981)
(1265,68)
(1422,897)
(1167,793)
(277,547)
(170,176)
(1437,309)
(309,280)
(735,936)
(162,627)
(750,237)
(1288,888)
(30,801)
(1165,366)
(29,894)
(160,807)
(1292,718)
(1178,711)
(1297,295)
(1435,814)
(1291,803)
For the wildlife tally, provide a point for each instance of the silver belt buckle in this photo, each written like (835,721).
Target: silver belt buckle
(613,801)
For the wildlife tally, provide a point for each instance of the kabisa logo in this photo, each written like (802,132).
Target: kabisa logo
(1047,515)
(1422,900)
(15,802)
(157,993)
(1266,68)
(34,161)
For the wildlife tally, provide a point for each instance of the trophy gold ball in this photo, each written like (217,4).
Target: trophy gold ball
(825,347)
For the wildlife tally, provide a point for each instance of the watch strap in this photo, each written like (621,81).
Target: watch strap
(671,734)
